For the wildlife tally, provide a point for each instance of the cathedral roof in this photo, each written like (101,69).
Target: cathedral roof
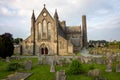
(73,28)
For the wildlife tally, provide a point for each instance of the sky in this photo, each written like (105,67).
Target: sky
(103,16)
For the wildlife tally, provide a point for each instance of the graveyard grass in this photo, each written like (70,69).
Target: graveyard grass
(42,72)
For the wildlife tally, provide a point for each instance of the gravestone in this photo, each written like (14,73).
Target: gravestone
(52,68)
(40,60)
(60,75)
(96,73)
(118,68)
(117,58)
(28,65)
(82,59)
(68,61)
(44,59)
(8,59)
(85,59)
(109,68)
(99,61)
(17,57)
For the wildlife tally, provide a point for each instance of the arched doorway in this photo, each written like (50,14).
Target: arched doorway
(42,50)
(46,50)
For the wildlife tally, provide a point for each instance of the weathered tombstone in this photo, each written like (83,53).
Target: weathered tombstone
(82,59)
(52,68)
(68,61)
(57,76)
(118,68)
(117,58)
(17,57)
(28,65)
(94,73)
(51,60)
(40,60)
(61,62)
(109,68)
(101,79)
(45,59)
(60,75)
(7,59)
(99,60)
(85,59)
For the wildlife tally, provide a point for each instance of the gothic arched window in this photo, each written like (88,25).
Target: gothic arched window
(44,28)
(39,30)
(49,31)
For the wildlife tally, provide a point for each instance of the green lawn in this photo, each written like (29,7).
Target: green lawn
(42,72)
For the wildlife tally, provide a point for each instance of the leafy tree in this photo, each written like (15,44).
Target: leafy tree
(17,40)
(6,45)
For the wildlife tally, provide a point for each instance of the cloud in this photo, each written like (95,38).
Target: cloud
(5,11)
(101,14)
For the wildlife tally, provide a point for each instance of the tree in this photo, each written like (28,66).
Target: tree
(18,40)
(6,45)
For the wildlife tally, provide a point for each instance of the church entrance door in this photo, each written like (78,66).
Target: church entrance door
(44,50)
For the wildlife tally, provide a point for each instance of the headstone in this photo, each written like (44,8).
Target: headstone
(109,68)
(40,59)
(0,58)
(17,57)
(118,68)
(57,76)
(85,59)
(94,73)
(45,59)
(101,79)
(99,60)
(117,58)
(60,75)
(52,68)
(82,59)
(7,59)
(51,60)
(28,65)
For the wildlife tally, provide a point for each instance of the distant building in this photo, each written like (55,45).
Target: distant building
(99,43)
(51,36)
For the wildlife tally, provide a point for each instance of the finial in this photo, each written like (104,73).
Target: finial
(55,10)
(44,5)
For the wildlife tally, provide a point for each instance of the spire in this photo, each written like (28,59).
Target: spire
(33,15)
(56,15)
(44,5)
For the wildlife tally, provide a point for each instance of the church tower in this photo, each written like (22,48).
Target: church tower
(33,31)
(56,18)
(84,32)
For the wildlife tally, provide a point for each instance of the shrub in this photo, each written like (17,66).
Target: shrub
(14,66)
(75,67)
(91,67)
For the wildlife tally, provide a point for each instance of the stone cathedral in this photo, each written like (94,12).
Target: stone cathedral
(50,36)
